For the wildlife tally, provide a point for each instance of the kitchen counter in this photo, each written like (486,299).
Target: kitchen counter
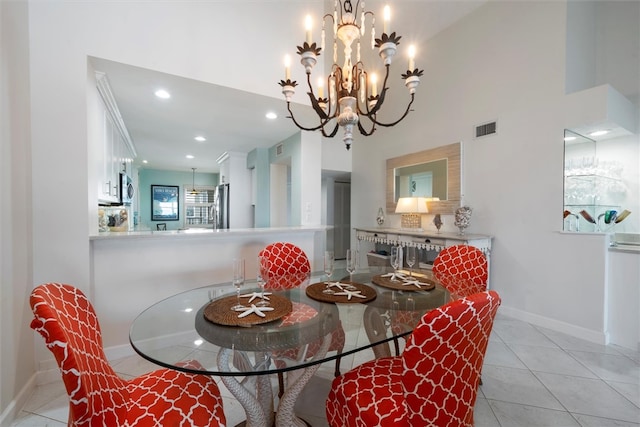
(190,232)
(133,270)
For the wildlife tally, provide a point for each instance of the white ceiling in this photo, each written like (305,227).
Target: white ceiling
(163,131)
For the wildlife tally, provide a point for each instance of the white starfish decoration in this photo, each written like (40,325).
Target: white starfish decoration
(394,276)
(335,285)
(255,295)
(253,309)
(414,282)
(350,294)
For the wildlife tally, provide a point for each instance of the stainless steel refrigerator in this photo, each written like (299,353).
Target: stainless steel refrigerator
(220,208)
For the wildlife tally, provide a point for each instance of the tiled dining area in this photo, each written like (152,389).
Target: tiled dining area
(532,376)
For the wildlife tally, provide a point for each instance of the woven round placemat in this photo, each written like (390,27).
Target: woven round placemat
(399,285)
(219,311)
(315,292)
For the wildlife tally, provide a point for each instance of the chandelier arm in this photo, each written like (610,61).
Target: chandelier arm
(381,97)
(372,118)
(314,102)
(320,126)
(333,132)
(318,109)
(363,131)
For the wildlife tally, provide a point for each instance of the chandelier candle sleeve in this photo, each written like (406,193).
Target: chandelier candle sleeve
(412,55)
(387,19)
(287,67)
(308,26)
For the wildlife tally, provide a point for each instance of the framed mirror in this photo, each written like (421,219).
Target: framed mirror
(428,173)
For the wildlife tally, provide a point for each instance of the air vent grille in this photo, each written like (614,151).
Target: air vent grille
(486,129)
(279,149)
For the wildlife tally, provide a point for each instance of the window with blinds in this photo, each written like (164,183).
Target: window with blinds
(198,206)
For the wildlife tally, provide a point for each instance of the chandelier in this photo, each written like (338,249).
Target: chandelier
(193,191)
(352,88)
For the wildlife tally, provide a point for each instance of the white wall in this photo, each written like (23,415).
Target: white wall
(310,179)
(17,364)
(506,61)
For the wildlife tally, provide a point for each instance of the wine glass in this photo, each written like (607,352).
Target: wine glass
(411,258)
(328,269)
(238,281)
(262,277)
(352,263)
(395,260)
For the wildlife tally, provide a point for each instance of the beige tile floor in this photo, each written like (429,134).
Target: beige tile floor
(531,377)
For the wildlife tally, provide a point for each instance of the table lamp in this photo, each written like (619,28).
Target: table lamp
(411,209)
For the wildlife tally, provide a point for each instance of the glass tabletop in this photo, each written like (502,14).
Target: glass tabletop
(175,332)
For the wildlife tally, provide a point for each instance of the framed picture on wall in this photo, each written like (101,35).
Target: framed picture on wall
(165,203)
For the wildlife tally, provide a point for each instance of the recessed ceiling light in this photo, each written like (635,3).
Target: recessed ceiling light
(189,156)
(145,162)
(599,133)
(569,138)
(161,93)
(200,138)
(271,115)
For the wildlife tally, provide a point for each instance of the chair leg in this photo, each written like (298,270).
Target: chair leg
(337,371)
(397,346)
(280,384)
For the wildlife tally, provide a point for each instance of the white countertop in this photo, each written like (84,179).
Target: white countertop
(204,232)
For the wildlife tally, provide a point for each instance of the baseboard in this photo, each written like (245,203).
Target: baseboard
(9,415)
(590,335)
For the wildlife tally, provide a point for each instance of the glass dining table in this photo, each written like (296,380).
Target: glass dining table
(195,331)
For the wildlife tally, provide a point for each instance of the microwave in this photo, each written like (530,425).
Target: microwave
(126,189)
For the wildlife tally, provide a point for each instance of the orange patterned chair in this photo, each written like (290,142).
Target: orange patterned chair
(97,395)
(462,269)
(286,266)
(434,382)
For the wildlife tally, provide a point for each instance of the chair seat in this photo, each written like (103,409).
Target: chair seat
(170,398)
(369,395)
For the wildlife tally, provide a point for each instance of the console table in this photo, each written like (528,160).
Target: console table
(423,240)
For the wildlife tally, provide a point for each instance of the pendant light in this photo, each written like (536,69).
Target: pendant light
(193,191)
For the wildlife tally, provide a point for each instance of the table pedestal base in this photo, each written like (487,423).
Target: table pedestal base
(255,395)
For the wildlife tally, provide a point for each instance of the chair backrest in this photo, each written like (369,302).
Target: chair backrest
(284,265)
(462,262)
(443,359)
(67,321)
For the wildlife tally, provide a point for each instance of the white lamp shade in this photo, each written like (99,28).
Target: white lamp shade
(412,205)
